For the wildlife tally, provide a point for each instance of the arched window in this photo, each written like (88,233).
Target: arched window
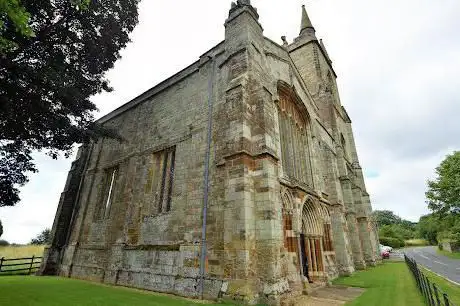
(293,137)
(290,242)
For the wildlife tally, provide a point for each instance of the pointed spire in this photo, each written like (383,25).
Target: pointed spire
(306,24)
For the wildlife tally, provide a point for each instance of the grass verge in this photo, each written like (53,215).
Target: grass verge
(452,290)
(387,284)
(448,254)
(416,242)
(56,291)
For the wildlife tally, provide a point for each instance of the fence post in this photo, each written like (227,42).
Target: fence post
(446,300)
(424,290)
(1,263)
(421,283)
(430,292)
(31,263)
(416,274)
(436,295)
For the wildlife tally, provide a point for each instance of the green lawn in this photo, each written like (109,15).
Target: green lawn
(50,291)
(452,290)
(449,254)
(387,284)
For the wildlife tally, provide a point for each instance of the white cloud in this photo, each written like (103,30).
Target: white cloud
(398,73)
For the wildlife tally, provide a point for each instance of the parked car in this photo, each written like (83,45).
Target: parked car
(385,254)
(385,248)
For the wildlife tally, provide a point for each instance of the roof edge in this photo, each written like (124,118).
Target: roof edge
(175,78)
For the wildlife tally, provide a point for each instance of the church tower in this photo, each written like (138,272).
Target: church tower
(346,188)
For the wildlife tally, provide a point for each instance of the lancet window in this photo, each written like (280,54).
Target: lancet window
(294,126)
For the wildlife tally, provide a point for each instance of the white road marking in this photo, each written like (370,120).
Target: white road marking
(458,284)
(441,263)
(424,256)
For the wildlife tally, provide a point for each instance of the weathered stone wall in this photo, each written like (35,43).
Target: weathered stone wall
(135,245)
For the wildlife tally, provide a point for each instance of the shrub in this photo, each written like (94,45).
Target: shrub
(391,241)
(440,246)
(4,243)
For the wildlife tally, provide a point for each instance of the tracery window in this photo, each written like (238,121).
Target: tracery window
(294,141)
(107,192)
(160,180)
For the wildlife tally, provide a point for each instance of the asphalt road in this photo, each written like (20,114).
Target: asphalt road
(427,256)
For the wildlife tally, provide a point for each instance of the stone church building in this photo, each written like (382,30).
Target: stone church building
(253,137)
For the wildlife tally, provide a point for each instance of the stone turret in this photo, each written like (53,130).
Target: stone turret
(242,26)
(306,27)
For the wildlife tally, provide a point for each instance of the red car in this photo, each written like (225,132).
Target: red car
(385,254)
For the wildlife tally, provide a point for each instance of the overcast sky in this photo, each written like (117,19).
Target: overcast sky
(398,67)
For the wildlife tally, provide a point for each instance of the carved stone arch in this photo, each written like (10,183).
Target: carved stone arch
(326,214)
(286,90)
(312,219)
(288,213)
(287,200)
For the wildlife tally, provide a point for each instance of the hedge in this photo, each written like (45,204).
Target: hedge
(391,241)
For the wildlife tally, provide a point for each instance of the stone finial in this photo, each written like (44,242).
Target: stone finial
(241,4)
(283,38)
(305,23)
(244,2)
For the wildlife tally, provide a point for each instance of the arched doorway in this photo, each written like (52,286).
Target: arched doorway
(312,240)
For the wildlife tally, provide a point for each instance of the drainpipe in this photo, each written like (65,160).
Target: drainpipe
(206,176)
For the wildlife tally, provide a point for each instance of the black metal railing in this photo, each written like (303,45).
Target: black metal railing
(432,294)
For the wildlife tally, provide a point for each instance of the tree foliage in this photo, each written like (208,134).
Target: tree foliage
(436,228)
(443,194)
(428,228)
(43,238)
(386,217)
(443,199)
(57,54)
(393,230)
(14,16)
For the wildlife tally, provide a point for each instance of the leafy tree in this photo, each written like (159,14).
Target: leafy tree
(13,15)
(428,228)
(53,64)
(43,238)
(387,231)
(443,195)
(386,217)
(392,229)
